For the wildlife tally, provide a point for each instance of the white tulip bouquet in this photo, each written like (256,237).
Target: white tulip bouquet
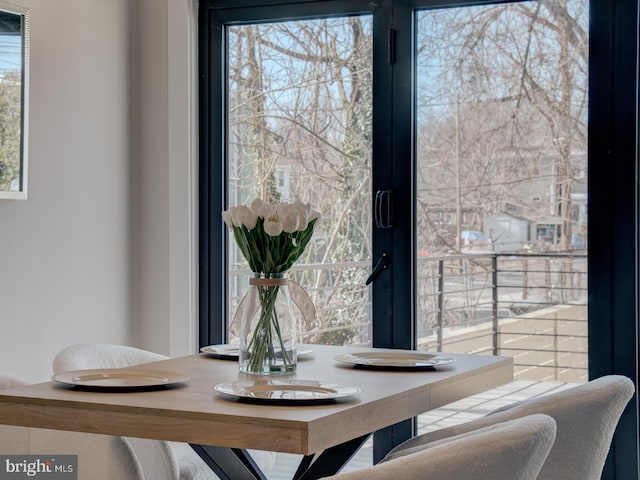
(271,238)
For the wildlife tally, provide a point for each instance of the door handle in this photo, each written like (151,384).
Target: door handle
(383,208)
(383,263)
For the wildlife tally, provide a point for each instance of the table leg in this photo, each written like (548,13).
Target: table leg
(230,463)
(330,461)
(237,464)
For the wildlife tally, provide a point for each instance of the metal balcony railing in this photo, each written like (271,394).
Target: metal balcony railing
(532,307)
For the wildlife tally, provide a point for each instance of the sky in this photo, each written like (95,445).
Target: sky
(10,48)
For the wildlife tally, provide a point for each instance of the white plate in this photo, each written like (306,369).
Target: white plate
(287,391)
(116,378)
(395,360)
(232,351)
(222,350)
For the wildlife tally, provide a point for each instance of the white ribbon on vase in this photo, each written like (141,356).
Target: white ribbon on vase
(297,293)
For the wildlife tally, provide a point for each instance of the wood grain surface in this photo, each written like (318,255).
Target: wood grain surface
(193,412)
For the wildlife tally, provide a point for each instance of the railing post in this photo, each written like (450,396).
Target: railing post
(440,303)
(525,278)
(494,306)
(555,346)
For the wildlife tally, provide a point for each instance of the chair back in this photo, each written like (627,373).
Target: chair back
(100,457)
(7,382)
(586,418)
(155,456)
(101,355)
(514,450)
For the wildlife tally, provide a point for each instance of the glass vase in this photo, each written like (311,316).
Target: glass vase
(267,339)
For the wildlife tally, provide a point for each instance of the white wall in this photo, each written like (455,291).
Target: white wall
(89,256)
(165,229)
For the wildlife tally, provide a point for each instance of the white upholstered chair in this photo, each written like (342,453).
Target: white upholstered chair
(100,457)
(102,355)
(10,382)
(586,418)
(513,450)
(90,356)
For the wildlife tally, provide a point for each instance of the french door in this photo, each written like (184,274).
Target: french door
(297,120)
(416,130)
(420,130)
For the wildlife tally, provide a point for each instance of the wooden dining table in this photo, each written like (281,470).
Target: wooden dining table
(222,427)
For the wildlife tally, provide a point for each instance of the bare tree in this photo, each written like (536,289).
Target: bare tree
(503,98)
(501,117)
(10,129)
(301,114)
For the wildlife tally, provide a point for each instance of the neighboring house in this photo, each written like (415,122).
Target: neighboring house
(507,233)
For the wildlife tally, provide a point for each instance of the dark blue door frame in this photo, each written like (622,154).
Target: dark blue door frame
(613,204)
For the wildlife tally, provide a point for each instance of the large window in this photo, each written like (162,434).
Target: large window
(299,103)
(501,183)
(470,121)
